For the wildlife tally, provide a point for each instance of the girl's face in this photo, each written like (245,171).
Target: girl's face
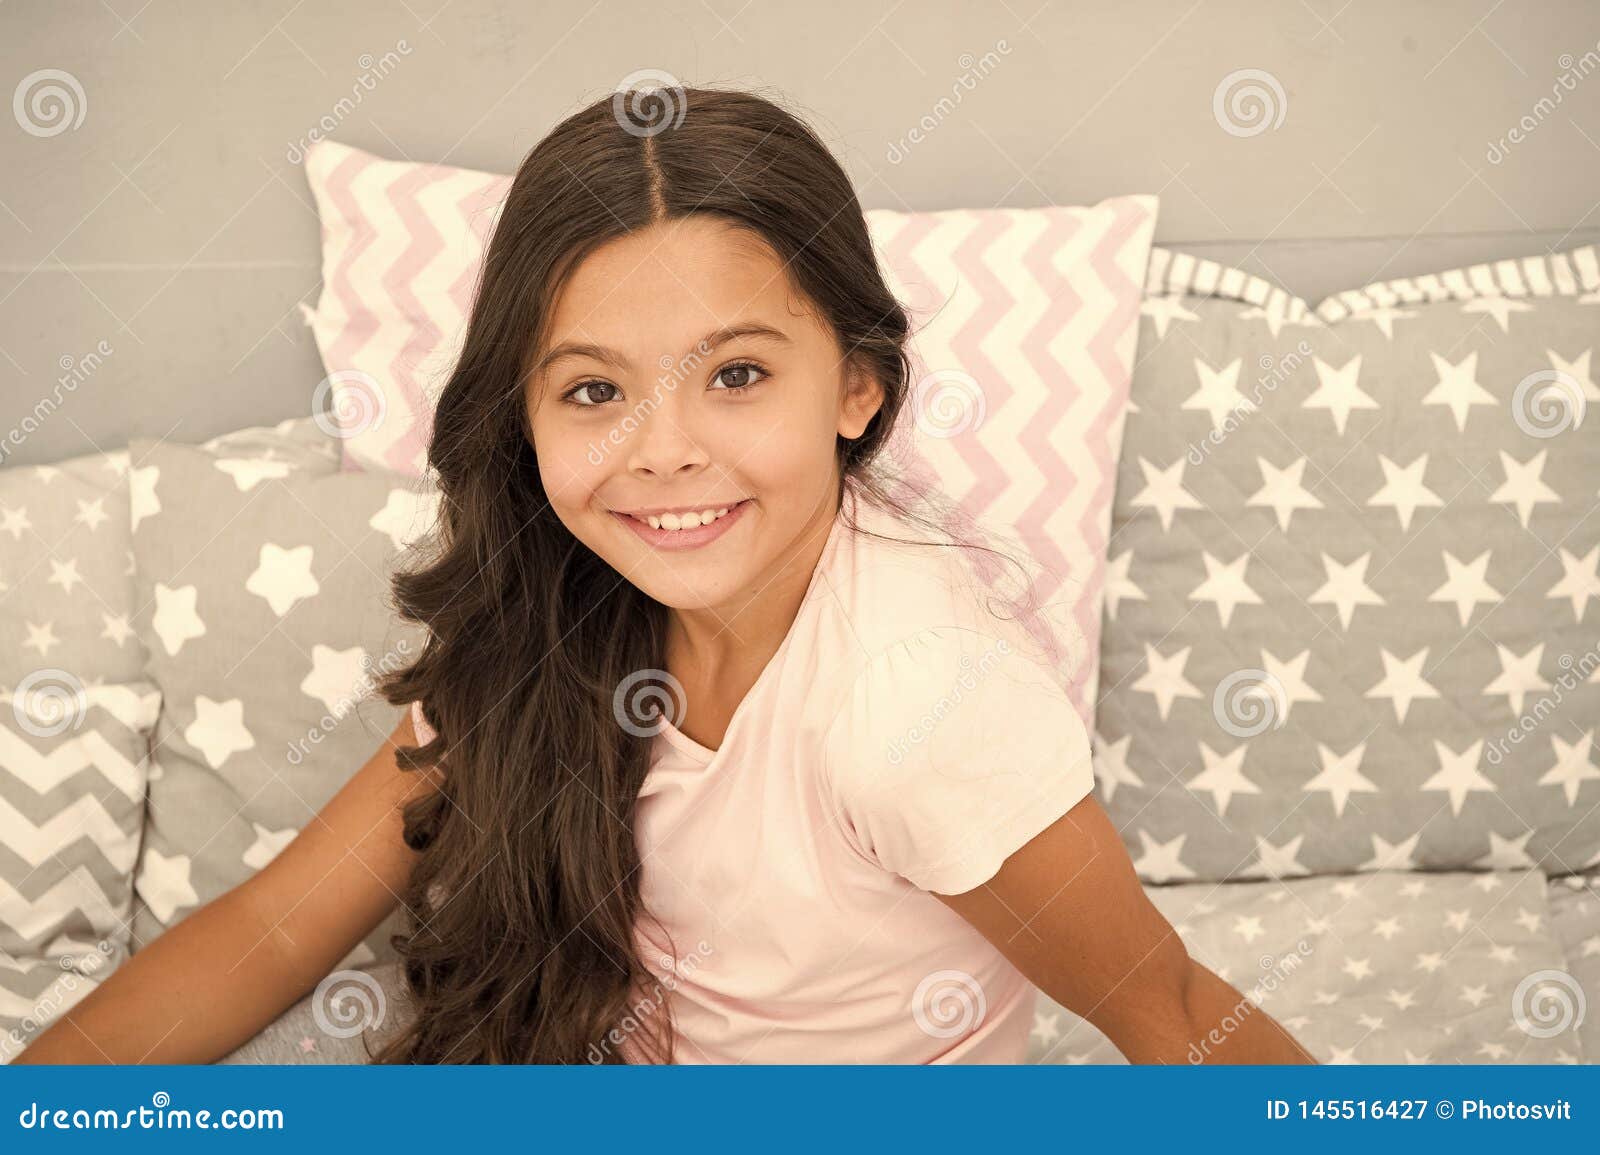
(682,377)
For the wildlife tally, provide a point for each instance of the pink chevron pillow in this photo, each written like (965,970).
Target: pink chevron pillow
(1026,327)
(401,247)
(1026,322)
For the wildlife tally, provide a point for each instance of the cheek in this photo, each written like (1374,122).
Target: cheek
(566,469)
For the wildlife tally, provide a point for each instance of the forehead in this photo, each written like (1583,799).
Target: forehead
(655,291)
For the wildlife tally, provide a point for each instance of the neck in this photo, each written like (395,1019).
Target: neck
(746,632)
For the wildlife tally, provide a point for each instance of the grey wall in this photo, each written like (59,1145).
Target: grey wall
(173,225)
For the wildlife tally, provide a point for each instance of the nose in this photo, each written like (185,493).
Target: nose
(662,446)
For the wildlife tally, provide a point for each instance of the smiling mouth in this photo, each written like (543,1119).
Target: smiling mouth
(687,520)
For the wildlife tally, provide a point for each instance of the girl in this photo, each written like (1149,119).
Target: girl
(705,760)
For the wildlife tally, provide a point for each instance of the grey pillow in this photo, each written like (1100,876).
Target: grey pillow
(345,1019)
(263,580)
(76,719)
(1353,600)
(66,570)
(1386,968)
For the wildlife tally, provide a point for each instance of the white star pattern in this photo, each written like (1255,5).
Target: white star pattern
(1346,588)
(1458,773)
(1500,308)
(1162,861)
(1341,775)
(1223,776)
(1282,491)
(1403,682)
(1465,585)
(406,516)
(249,472)
(1458,387)
(1338,393)
(142,497)
(283,577)
(268,845)
(1163,310)
(1225,585)
(1518,675)
(176,619)
(1218,393)
(1119,586)
(163,883)
(1289,678)
(1524,485)
(1111,765)
(1164,492)
(218,730)
(1163,677)
(338,678)
(1572,768)
(1403,489)
(1577,370)
(1580,580)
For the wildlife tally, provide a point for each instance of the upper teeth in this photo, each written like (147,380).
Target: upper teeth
(685,520)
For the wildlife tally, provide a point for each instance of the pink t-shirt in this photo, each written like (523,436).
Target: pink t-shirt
(901,740)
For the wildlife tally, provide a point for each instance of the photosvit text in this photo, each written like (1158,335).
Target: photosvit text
(1415,1109)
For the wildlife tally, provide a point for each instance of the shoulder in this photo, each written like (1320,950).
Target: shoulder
(899,579)
(951,748)
(977,682)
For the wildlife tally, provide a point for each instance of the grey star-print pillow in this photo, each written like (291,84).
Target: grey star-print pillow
(263,590)
(1389,967)
(1353,593)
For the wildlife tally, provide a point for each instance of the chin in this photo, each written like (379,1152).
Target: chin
(675,595)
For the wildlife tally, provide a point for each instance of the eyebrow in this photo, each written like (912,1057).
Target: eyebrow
(752,329)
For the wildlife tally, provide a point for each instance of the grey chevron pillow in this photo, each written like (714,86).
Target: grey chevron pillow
(1353,600)
(76,715)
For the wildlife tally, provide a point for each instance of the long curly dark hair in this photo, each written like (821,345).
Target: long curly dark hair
(519,942)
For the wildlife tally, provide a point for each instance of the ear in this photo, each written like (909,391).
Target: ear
(863,397)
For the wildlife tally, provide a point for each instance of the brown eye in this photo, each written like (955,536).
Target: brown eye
(743,369)
(578,390)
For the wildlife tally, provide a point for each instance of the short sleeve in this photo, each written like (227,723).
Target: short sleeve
(952,750)
(425,732)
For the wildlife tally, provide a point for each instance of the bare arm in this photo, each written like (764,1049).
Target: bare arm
(217,978)
(1068,911)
